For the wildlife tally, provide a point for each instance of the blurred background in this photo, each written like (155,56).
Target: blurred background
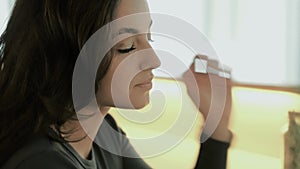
(259,40)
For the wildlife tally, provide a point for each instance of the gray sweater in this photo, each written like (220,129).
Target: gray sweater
(42,152)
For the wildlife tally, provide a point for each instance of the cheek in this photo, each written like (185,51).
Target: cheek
(103,94)
(118,86)
(116,92)
(122,96)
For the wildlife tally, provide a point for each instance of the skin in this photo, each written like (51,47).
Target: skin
(133,72)
(222,133)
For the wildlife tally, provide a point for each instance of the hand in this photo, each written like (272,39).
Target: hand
(205,96)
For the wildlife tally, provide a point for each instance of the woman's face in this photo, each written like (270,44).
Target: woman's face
(128,80)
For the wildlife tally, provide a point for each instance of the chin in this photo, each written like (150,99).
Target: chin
(140,103)
(136,102)
(140,106)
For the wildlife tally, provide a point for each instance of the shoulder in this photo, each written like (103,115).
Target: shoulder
(46,160)
(40,153)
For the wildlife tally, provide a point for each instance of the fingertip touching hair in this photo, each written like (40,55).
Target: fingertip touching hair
(38,51)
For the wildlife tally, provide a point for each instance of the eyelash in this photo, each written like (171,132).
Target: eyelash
(124,51)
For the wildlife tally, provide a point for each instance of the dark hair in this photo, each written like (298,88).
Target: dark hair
(38,51)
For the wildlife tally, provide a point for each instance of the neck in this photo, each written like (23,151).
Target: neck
(85,130)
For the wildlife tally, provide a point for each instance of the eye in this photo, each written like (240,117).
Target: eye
(124,51)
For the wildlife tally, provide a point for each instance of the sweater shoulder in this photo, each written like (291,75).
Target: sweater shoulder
(41,152)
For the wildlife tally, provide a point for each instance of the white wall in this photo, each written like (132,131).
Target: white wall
(251,36)
(5,7)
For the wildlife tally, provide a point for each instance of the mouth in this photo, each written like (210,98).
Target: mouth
(146,84)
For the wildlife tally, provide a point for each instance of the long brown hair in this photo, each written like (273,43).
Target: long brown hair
(38,51)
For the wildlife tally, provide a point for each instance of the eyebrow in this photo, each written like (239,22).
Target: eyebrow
(131,30)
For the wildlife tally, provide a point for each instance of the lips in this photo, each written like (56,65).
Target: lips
(147,84)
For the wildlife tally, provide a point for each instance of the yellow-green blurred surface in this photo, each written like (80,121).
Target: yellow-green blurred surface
(257,119)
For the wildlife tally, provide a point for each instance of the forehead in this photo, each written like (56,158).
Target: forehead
(132,15)
(129,7)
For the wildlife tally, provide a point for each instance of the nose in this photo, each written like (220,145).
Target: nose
(151,60)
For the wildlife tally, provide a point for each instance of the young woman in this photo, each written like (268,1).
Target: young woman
(39,48)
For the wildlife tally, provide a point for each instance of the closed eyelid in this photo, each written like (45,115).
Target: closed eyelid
(126,49)
(125,42)
(134,40)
